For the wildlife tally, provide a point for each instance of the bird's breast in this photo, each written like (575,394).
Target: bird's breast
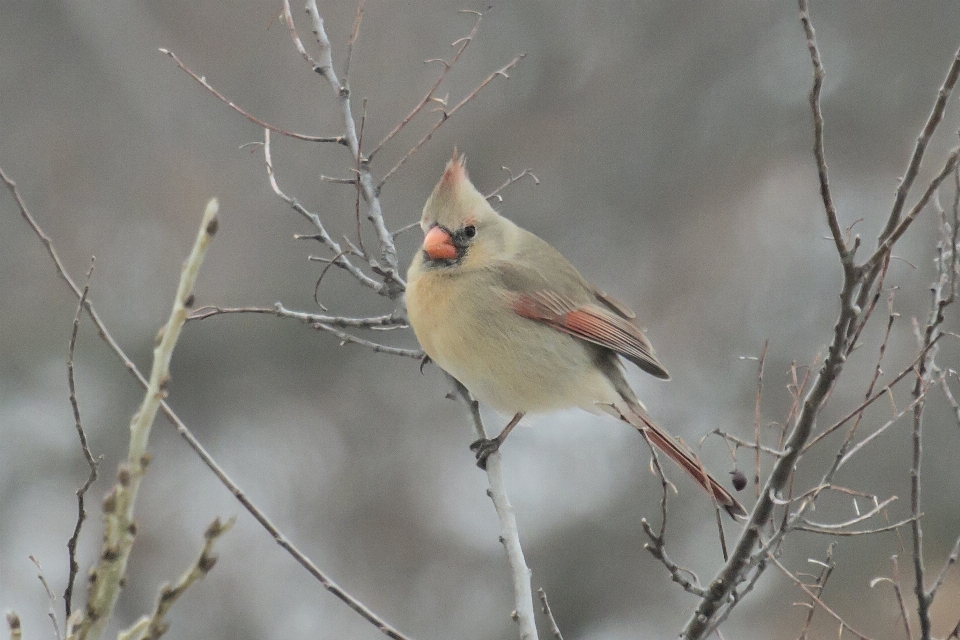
(466,324)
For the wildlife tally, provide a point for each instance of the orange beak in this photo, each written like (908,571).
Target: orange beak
(439,245)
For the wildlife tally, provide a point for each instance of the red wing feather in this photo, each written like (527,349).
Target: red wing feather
(591,323)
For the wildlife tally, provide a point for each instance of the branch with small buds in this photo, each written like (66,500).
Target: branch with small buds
(106,578)
(153,626)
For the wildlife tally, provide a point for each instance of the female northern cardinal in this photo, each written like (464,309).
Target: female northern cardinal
(508,316)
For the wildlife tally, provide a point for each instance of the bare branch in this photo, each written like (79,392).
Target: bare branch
(523,613)
(352,40)
(554,629)
(257,121)
(913,168)
(849,523)
(51,612)
(813,597)
(947,564)
(91,463)
(388,321)
(429,97)
(856,413)
(826,569)
(818,152)
(756,416)
(446,115)
(393,284)
(677,573)
(322,234)
(739,442)
(495,194)
(416,354)
(904,224)
(108,576)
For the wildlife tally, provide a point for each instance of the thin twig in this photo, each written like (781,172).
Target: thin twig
(252,118)
(865,532)
(446,115)
(826,569)
(849,523)
(818,152)
(322,235)
(913,168)
(888,242)
(91,462)
(554,629)
(354,33)
(495,194)
(429,97)
(345,337)
(388,321)
(51,612)
(884,391)
(739,442)
(756,416)
(898,593)
(814,597)
(947,564)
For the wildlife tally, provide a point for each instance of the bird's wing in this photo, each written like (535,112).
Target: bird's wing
(592,323)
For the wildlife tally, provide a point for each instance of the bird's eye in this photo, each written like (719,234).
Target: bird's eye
(470,231)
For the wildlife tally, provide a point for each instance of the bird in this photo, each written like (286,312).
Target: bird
(511,319)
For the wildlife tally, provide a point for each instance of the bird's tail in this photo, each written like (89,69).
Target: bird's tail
(636,417)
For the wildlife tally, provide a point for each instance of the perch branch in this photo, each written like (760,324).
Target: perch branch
(523,613)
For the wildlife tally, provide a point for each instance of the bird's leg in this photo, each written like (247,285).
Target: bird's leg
(484,447)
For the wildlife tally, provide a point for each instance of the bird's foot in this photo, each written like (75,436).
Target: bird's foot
(483,448)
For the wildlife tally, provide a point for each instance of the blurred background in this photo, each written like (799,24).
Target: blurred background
(673,145)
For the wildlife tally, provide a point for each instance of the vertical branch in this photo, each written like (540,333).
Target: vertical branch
(936,115)
(726,580)
(523,613)
(756,416)
(942,291)
(818,152)
(91,463)
(106,580)
(371,196)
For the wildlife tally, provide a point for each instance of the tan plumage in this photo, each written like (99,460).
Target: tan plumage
(508,316)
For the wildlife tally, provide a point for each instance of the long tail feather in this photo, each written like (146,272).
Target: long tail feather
(685,458)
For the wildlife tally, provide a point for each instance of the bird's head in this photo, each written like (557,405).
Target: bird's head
(459,225)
